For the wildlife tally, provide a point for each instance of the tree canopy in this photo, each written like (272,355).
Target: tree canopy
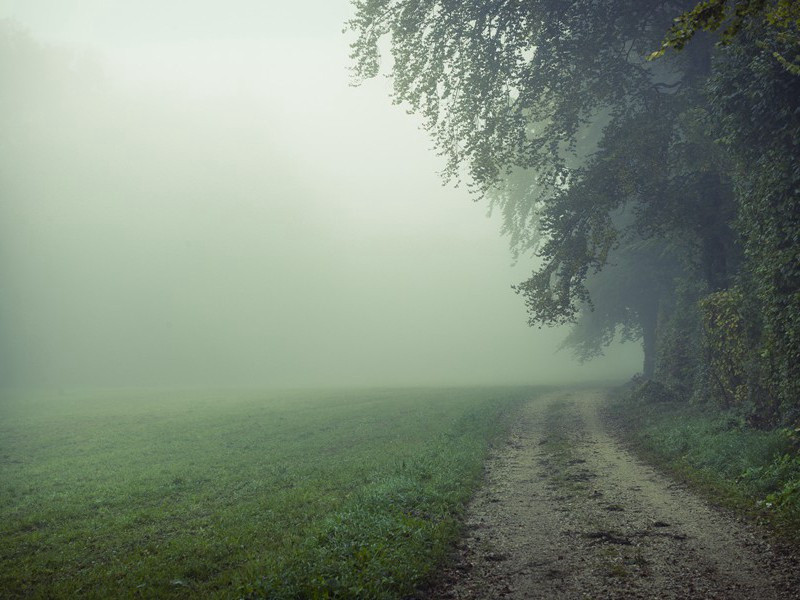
(595,153)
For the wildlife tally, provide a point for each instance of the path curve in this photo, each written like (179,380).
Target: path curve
(568,512)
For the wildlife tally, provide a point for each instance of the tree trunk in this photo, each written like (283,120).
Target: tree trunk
(715,233)
(649,320)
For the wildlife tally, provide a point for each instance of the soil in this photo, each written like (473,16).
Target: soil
(568,512)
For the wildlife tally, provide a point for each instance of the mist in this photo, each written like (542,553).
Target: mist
(202,199)
(268,271)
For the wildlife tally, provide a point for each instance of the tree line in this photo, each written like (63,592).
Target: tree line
(644,152)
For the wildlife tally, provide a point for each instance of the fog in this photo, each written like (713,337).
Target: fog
(202,199)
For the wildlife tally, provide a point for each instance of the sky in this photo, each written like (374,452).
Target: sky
(194,194)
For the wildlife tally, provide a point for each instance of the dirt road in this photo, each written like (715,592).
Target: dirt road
(567,512)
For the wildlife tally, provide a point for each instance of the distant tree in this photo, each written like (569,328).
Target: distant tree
(626,299)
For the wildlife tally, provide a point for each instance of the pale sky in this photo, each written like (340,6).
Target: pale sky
(221,207)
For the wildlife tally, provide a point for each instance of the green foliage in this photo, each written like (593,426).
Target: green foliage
(709,15)
(295,494)
(782,480)
(784,21)
(737,374)
(727,345)
(754,100)
(781,19)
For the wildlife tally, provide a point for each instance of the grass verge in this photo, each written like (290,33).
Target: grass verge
(294,495)
(753,471)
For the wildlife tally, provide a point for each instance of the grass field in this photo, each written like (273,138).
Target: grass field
(284,495)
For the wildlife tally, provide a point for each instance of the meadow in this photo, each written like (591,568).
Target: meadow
(310,494)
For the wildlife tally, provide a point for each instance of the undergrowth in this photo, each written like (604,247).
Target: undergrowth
(752,470)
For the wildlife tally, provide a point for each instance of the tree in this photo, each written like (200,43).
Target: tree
(626,299)
(553,110)
(505,86)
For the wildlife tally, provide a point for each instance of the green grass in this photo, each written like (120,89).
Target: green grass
(284,495)
(751,470)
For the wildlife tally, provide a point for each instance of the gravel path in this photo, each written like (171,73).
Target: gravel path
(567,512)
